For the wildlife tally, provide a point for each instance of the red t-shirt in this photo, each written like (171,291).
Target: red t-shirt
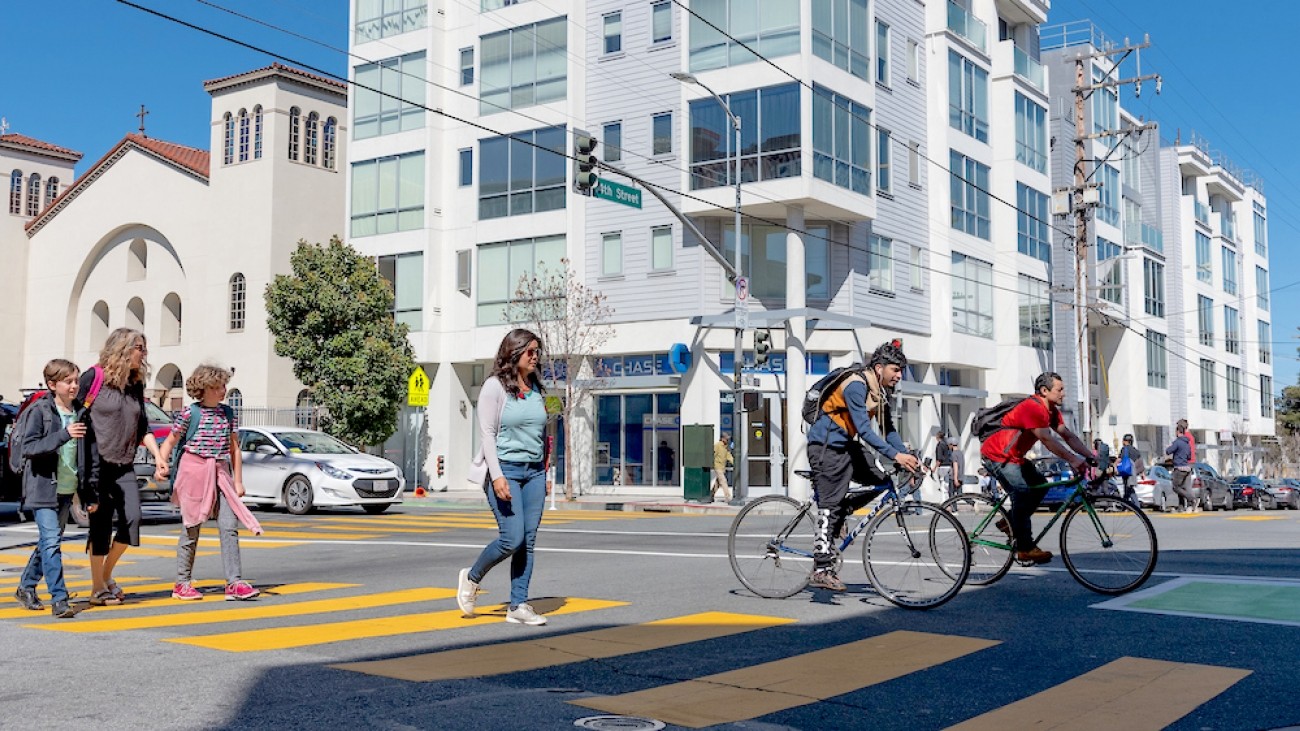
(1011,445)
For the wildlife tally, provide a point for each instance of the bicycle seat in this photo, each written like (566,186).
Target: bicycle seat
(806,474)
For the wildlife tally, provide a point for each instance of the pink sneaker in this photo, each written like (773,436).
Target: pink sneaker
(186,593)
(240,591)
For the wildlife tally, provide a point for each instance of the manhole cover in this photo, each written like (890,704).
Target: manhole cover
(619,723)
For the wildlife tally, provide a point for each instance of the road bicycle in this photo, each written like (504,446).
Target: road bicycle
(916,554)
(1107,544)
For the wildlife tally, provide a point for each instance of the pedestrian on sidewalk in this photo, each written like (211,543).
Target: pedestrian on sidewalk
(722,459)
(113,392)
(511,466)
(1129,468)
(50,446)
(946,464)
(1180,453)
(209,481)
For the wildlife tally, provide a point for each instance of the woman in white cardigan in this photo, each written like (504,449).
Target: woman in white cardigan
(511,465)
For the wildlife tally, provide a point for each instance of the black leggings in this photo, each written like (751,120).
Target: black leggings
(119,505)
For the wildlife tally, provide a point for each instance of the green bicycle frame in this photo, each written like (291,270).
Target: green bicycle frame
(1080,493)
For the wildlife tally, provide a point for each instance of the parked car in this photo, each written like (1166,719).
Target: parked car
(302,469)
(1155,490)
(1055,469)
(1217,490)
(1249,491)
(10,487)
(1162,474)
(1287,490)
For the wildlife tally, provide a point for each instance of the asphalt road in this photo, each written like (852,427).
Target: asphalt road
(675,636)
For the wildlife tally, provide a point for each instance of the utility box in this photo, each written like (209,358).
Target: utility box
(697,460)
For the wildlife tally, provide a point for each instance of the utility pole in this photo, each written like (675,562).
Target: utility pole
(1084,195)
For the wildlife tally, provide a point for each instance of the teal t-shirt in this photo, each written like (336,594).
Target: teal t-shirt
(523,424)
(67,475)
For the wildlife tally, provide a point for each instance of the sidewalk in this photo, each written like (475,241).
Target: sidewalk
(625,502)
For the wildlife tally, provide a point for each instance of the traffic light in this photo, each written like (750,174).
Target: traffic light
(584,162)
(762,346)
(442,468)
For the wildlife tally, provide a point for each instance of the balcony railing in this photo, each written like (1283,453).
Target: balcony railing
(1029,69)
(961,22)
(1202,212)
(1145,234)
(1228,227)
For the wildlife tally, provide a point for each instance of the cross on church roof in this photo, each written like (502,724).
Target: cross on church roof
(142,114)
(4,125)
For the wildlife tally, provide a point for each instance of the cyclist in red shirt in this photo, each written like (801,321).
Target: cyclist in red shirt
(1036,418)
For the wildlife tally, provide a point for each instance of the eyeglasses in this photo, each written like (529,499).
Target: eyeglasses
(140,347)
(536,352)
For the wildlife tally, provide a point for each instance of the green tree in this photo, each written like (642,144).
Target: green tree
(1288,411)
(333,318)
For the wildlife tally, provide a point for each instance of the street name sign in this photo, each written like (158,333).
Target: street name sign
(617,192)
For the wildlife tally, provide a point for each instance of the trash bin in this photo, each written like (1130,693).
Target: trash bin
(697,461)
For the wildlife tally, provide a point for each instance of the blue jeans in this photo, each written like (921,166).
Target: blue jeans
(1025,483)
(47,557)
(517,520)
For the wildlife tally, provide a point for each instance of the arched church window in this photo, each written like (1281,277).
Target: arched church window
(295,116)
(243,135)
(228,146)
(313,124)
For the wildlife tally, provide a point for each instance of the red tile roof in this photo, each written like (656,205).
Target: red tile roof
(277,66)
(192,159)
(25,141)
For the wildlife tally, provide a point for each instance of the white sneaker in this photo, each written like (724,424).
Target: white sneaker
(524,614)
(466,593)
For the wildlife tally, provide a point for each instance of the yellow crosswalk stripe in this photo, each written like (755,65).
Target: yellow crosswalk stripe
(513,657)
(801,680)
(1258,517)
(368,526)
(1131,693)
(214,541)
(317,536)
(256,611)
(131,602)
(9,559)
(122,581)
(404,522)
(319,634)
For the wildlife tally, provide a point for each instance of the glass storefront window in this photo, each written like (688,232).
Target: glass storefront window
(638,439)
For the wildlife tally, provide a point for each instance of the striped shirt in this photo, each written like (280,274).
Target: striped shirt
(213,436)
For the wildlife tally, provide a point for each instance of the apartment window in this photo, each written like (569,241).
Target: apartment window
(467,66)
(1234,389)
(312,133)
(773,32)
(1108,211)
(383,18)
(1261,230)
(968,97)
(1204,268)
(1031,134)
(1231,330)
(1266,396)
(1264,333)
(1261,288)
(841,141)
(972,296)
(228,144)
(661,128)
(52,191)
(880,263)
(388,194)
(243,135)
(770,144)
(613,32)
(501,266)
(464,270)
(1209,397)
(238,302)
(402,78)
(295,131)
(329,144)
(913,61)
(883,178)
(1031,223)
(257,132)
(839,35)
(1035,313)
(33,194)
(405,274)
(882,53)
(1153,287)
(661,21)
(466,157)
(1229,270)
(1105,105)
(763,255)
(1205,319)
(521,173)
(612,137)
(16,192)
(611,254)
(970,195)
(914,163)
(661,248)
(1157,360)
(916,274)
(523,66)
(1111,270)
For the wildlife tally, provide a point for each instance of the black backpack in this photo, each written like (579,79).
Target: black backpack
(823,388)
(988,420)
(23,425)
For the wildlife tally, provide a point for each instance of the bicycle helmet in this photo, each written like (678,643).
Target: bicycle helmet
(890,353)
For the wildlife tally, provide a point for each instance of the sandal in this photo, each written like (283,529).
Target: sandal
(116,591)
(104,598)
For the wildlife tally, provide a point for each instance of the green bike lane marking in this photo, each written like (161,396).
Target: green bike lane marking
(1266,601)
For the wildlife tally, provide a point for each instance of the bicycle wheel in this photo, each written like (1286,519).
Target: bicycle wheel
(916,555)
(770,546)
(1113,553)
(990,550)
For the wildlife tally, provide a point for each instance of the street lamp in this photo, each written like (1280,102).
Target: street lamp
(742,469)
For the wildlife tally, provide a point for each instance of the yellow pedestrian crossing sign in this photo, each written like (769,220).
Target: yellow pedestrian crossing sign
(417,388)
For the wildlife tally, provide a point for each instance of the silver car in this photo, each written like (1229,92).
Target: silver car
(1156,490)
(301,469)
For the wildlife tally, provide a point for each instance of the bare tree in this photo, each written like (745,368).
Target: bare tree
(570,318)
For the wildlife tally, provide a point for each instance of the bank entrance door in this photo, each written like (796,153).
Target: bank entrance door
(764,442)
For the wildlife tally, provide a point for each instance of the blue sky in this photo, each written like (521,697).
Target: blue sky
(77,76)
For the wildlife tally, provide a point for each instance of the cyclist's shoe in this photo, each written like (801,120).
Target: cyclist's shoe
(1003,526)
(1034,555)
(826,579)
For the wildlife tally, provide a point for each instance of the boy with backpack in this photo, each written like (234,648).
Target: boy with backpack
(846,403)
(43,449)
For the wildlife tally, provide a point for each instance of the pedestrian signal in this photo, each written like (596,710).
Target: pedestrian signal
(762,346)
